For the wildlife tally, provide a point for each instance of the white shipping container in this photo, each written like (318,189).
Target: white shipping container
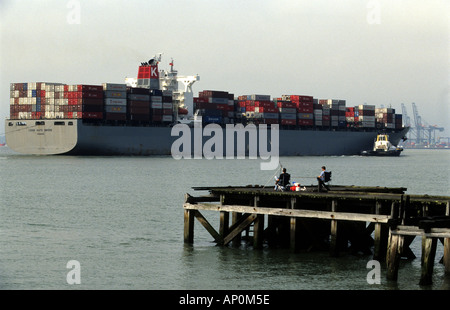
(318,122)
(231,102)
(24,115)
(11,101)
(115,101)
(167,118)
(114,87)
(49,114)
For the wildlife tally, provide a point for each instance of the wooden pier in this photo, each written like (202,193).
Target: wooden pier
(344,219)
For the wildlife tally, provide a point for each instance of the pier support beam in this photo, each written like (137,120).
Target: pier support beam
(189,226)
(334,244)
(381,235)
(428,255)
(446,258)
(395,248)
(235,216)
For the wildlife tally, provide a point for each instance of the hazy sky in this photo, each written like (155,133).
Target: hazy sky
(381,52)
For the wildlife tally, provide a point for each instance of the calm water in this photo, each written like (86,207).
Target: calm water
(122,219)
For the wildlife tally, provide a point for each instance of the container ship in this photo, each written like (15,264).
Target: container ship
(137,117)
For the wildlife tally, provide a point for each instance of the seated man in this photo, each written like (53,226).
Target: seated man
(321,178)
(284,178)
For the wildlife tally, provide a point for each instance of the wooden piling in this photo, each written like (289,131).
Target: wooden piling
(395,247)
(189,226)
(428,255)
(235,216)
(334,251)
(446,258)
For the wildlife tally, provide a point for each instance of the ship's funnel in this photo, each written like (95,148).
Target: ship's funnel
(148,76)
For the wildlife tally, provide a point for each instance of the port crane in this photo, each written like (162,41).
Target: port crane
(420,132)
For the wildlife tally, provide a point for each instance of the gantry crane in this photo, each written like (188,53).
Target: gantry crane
(420,132)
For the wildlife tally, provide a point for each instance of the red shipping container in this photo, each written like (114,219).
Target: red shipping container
(288,122)
(89,94)
(286,104)
(270,121)
(92,115)
(156,111)
(298,98)
(90,101)
(139,117)
(116,116)
(138,104)
(305,122)
(305,109)
(90,88)
(167,111)
(157,118)
(42,93)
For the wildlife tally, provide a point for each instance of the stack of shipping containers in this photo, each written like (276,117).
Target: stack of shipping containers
(138,104)
(215,106)
(386,118)
(366,116)
(115,101)
(167,106)
(111,102)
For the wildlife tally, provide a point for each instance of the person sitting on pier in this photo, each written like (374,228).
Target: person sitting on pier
(325,176)
(283,180)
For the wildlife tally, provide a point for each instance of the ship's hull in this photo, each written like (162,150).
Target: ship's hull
(69,136)
(389,153)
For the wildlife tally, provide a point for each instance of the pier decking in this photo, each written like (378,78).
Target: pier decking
(344,219)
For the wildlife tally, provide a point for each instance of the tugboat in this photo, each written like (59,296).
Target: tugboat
(382,147)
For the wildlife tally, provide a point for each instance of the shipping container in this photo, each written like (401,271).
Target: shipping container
(114,87)
(115,101)
(138,97)
(288,122)
(115,94)
(289,116)
(115,109)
